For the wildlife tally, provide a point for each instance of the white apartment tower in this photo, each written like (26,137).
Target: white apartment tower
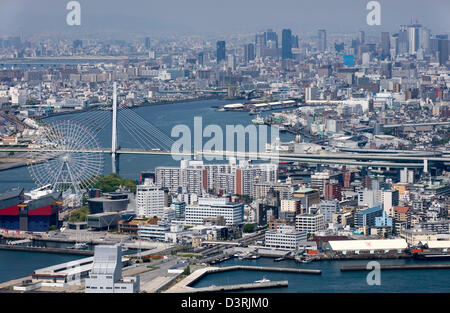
(149,200)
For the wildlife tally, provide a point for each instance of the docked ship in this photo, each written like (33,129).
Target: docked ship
(33,212)
(258,120)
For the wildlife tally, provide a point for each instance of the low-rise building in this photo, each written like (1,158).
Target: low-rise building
(285,237)
(309,223)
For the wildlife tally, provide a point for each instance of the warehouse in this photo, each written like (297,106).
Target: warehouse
(364,246)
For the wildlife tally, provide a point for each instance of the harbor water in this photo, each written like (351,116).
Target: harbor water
(332,280)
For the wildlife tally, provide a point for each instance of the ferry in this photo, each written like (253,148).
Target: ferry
(264,280)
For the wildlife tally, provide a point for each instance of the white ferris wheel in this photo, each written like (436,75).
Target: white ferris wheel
(65,157)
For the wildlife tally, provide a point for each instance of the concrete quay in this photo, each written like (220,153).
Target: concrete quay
(398,267)
(271,284)
(184,285)
(47,250)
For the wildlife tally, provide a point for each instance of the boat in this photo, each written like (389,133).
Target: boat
(432,256)
(258,120)
(255,256)
(264,280)
(306,261)
(278,259)
(80,246)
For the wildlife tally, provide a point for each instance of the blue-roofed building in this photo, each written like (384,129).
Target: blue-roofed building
(383,220)
(349,60)
(367,217)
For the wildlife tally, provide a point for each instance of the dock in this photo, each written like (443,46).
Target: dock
(270,284)
(184,285)
(267,269)
(398,267)
(46,250)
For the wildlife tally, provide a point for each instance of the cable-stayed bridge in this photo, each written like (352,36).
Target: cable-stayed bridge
(140,137)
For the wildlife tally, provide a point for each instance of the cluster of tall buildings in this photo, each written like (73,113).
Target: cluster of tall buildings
(233,177)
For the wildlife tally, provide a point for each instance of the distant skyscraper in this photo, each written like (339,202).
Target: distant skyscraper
(295,41)
(403,42)
(260,44)
(220,51)
(394,45)
(286,44)
(442,49)
(249,52)
(385,44)
(272,36)
(424,40)
(322,40)
(413,38)
(201,58)
(362,37)
(231,60)
(147,42)
(77,44)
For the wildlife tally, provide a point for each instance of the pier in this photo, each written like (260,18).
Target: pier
(184,285)
(267,269)
(398,267)
(46,250)
(270,284)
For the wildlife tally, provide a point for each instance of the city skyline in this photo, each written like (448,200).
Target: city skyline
(198,16)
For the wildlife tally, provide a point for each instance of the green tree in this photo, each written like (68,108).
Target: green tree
(79,215)
(248,228)
(113,181)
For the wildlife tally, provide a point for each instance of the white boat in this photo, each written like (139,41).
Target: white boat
(258,120)
(264,280)
(80,246)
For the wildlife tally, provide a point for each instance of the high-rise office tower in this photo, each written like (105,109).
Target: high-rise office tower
(272,36)
(295,41)
(77,44)
(249,52)
(260,44)
(231,61)
(413,38)
(394,45)
(403,42)
(385,44)
(442,49)
(424,40)
(147,42)
(201,58)
(286,44)
(322,40)
(362,37)
(220,51)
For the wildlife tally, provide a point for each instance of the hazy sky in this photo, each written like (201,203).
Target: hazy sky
(219,16)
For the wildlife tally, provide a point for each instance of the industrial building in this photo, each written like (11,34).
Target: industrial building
(285,237)
(106,273)
(343,246)
(109,202)
(34,212)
